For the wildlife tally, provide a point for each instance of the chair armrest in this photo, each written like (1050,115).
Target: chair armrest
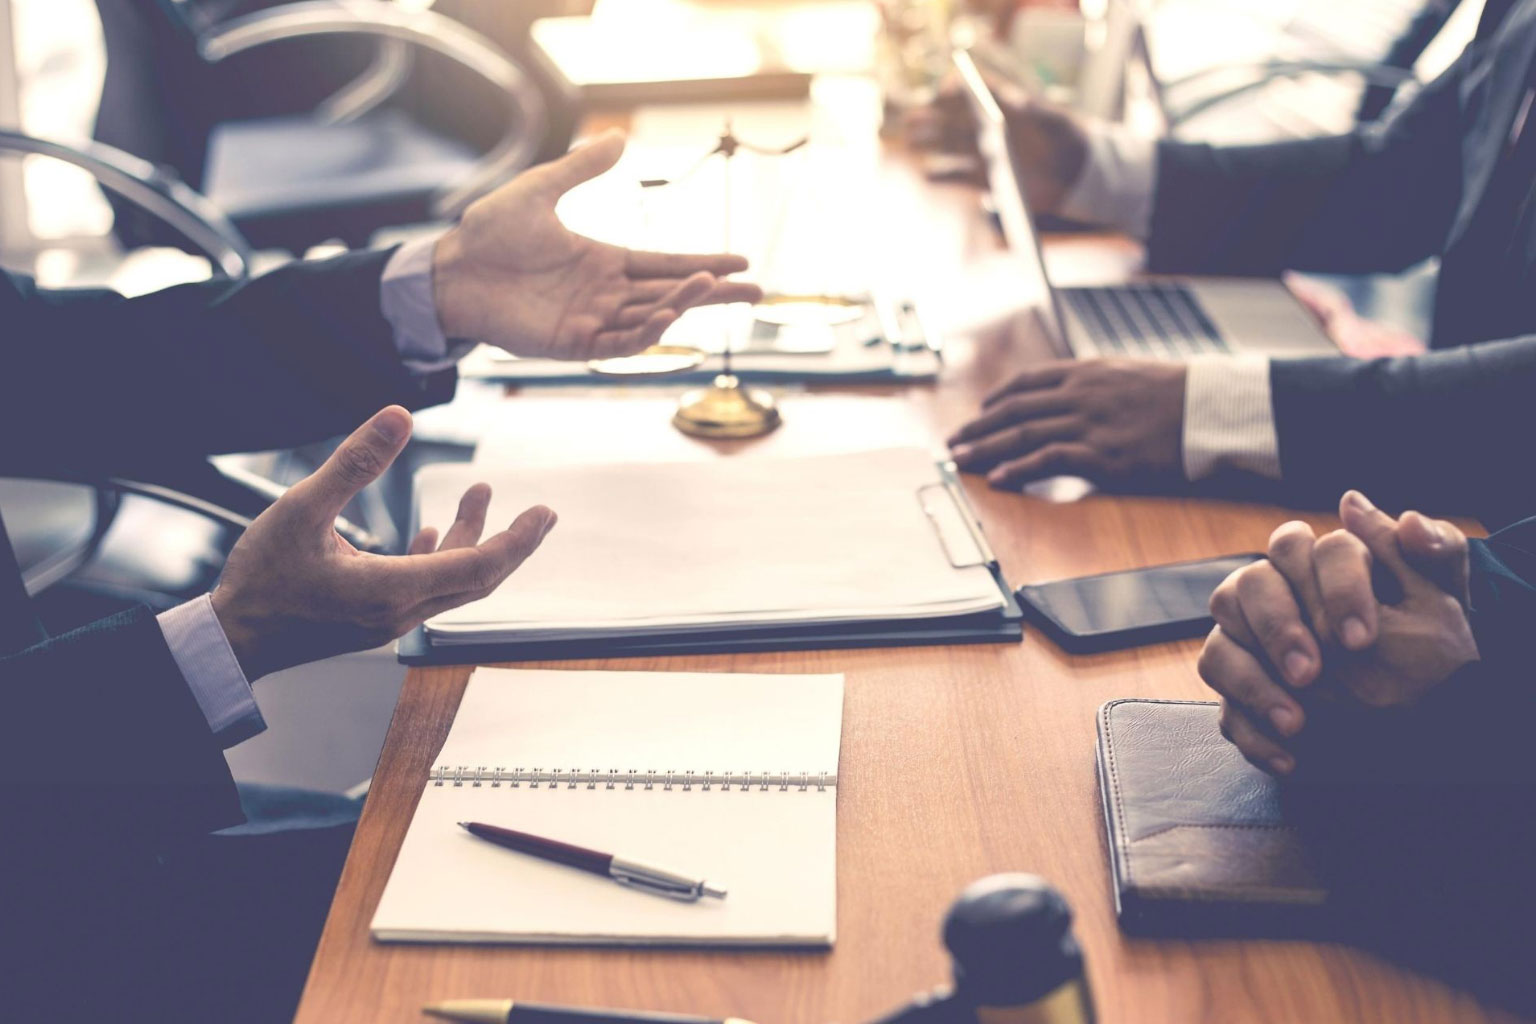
(1269,71)
(156,191)
(225,495)
(37,577)
(231,495)
(423,28)
(389,71)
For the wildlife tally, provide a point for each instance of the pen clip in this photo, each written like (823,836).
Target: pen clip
(660,883)
(657,887)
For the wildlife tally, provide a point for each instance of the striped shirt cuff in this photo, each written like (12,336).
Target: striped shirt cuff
(1229,422)
(208,664)
(410,306)
(1117,183)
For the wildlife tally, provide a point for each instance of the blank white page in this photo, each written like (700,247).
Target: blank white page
(717,544)
(773,849)
(647,720)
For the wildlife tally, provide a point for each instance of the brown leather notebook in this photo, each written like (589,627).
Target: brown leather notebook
(1198,844)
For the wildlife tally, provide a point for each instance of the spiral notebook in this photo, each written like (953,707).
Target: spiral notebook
(730,778)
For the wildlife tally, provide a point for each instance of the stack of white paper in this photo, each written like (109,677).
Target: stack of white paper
(652,548)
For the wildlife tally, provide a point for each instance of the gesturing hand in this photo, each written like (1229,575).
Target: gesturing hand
(511,275)
(1111,420)
(294,591)
(1309,619)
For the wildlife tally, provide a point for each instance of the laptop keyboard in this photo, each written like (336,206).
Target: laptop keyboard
(1157,320)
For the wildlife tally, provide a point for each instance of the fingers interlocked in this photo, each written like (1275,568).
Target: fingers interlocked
(1317,600)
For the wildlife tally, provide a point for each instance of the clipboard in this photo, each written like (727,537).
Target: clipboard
(948,509)
(917,368)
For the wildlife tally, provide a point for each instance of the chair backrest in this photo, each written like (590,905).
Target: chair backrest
(438,89)
(160,100)
(154,98)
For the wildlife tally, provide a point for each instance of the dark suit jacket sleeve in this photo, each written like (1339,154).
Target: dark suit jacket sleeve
(102,745)
(1379,199)
(1491,703)
(94,380)
(1429,431)
(1504,602)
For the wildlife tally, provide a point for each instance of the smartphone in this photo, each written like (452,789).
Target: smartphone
(1126,609)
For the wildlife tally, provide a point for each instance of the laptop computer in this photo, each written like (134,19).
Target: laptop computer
(1160,318)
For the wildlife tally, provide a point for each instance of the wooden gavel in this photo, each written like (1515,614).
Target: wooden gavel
(1015,960)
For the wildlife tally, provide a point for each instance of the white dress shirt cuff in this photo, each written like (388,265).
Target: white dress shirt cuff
(1229,422)
(410,306)
(202,652)
(1117,183)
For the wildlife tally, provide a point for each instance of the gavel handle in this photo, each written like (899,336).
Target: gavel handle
(938,1007)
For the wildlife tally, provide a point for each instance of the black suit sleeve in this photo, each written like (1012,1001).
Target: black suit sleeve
(1441,791)
(1424,431)
(101,740)
(1503,584)
(96,381)
(1379,199)
(102,745)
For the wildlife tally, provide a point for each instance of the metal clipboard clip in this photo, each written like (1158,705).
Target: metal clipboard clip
(953,519)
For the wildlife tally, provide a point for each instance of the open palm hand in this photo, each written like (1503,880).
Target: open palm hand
(512,275)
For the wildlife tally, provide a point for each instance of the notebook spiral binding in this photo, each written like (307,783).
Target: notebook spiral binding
(478,776)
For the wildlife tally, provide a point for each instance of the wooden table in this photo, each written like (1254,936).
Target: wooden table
(957,762)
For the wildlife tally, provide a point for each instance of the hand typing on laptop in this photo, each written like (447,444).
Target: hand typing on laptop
(1308,626)
(1116,421)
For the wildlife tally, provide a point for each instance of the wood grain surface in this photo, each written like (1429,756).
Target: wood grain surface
(957,762)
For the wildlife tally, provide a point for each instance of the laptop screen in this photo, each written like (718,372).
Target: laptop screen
(1008,195)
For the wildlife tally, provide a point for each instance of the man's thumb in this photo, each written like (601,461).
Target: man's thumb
(361,459)
(1438,550)
(583,163)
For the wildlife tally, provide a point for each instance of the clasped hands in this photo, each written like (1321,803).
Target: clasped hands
(509,274)
(1374,615)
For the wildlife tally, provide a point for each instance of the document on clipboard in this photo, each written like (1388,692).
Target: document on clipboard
(862,547)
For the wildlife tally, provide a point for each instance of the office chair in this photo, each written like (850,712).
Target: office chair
(1305,89)
(346,165)
(1338,66)
(73,512)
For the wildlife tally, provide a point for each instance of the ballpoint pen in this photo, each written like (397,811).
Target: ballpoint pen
(625,872)
(509,1011)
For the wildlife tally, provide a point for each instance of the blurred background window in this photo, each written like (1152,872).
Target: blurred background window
(59,62)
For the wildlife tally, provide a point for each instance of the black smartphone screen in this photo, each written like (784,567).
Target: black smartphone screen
(1140,599)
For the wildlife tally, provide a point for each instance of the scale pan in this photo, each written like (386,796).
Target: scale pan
(656,361)
(808,310)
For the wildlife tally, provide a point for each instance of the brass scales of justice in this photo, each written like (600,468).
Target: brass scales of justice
(726,408)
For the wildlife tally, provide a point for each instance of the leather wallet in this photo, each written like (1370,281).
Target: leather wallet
(1198,844)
